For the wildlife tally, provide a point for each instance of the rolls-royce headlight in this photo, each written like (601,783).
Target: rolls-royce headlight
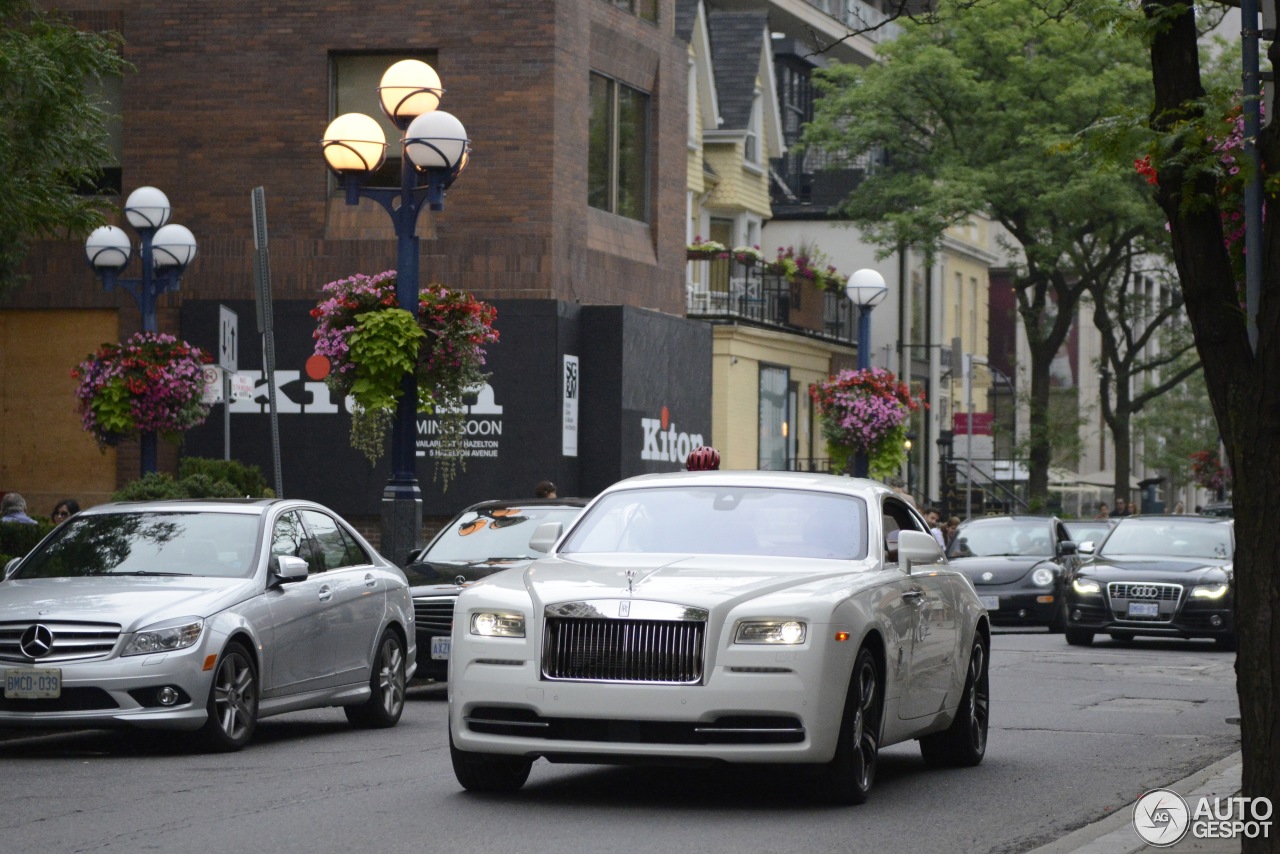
(164,637)
(1209,591)
(771,631)
(1085,586)
(493,624)
(1042,577)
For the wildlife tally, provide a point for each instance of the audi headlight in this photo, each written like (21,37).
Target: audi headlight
(771,631)
(1042,577)
(493,624)
(1209,591)
(165,637)
(1085,586)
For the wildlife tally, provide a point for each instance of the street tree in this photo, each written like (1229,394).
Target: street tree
(1176,425)
(1200,192)
(977,110)
(53,136)
(1145,342)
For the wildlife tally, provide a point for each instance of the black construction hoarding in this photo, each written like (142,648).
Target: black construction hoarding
(638,381)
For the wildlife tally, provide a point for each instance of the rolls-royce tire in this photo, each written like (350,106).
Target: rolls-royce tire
(488,772)
(386,684)
(847,778)
(964,743)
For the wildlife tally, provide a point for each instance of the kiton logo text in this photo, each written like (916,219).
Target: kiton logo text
(664,443)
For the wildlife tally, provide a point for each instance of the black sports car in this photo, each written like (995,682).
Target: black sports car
(1017,564)
(483,539)
(1166,576)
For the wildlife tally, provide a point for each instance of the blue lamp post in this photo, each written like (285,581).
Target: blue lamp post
(435,150)
(865,289)
(167,248)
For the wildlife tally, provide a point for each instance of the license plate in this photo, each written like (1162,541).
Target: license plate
(991,603)
(1144,609)
(33,684)
(440,648)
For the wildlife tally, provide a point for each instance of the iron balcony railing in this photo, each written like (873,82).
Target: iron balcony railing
(724,288)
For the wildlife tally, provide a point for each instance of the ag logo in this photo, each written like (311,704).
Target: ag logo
(1161,817)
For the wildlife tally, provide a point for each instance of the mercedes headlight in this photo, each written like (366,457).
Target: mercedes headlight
(1085,586)
(1210,591)
(165,637)
(1042,577)
(494,624)
(770,631)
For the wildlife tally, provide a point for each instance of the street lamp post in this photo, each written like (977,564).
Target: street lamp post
(865,289)
(435,150)
(167,248)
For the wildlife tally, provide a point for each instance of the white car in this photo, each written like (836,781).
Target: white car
(741,617)
(203,616)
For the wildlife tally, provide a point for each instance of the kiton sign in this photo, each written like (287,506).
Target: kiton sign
(664,443)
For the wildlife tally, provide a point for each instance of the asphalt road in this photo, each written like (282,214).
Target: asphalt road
(1076,734)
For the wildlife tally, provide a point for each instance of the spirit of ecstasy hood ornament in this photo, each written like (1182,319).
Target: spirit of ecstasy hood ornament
(631,578)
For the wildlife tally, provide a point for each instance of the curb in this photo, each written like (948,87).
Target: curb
(1115,834)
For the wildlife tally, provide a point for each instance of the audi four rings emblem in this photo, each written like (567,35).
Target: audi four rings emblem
(36,641)
(1144,592)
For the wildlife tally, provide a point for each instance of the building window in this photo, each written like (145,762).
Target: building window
(618,160)
(355,78)
(775,419)
(645,10)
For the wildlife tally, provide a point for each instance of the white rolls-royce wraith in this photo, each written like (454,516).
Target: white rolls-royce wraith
(740,617)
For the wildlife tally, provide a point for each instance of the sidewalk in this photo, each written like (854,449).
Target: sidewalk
(1115,834)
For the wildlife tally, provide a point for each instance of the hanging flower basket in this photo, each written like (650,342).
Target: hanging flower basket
(700,249)
(865,412)
(152,383)
(371,343)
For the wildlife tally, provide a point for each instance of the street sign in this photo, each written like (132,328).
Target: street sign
(212,384)
(242,387)
(228,345)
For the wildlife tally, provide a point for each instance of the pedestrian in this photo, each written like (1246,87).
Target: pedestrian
(13,508)
(1104,512)
(64,509)
(1121,508)
(545,489)
(1179,509)
(932,516)
(949,531)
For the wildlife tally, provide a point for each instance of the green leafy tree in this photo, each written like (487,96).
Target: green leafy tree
(52,133)
(1145,346)
(1176,425)
(979,111)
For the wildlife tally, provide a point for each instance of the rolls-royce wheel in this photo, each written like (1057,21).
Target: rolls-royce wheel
(964,743)
(386,683)
(488,772)
(1079,637)
(847,778)
(233,701)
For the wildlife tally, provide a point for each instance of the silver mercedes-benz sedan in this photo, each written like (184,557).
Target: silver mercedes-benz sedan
(735,617)
(204,616)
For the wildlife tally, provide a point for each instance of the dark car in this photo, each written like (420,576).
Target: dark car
(483,539)
(1089,530)
(1218,508)
(1017,564)
(1168,576)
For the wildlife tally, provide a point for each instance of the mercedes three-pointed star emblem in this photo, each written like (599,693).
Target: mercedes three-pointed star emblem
(36,641)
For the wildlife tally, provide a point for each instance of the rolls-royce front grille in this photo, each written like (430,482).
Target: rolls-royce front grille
(434,615)
(607,650)
(63,641)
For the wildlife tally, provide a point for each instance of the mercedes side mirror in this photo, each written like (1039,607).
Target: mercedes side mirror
(288,567)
